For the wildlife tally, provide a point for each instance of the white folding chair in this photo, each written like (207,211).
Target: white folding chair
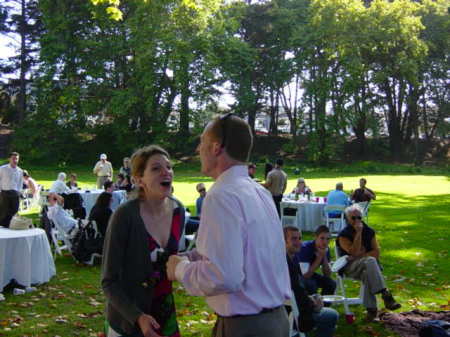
(60,241)
(293,317)
(341,287)
(25,201)
(192,238)
(365,205)
(83,223)
(288,220)
(59,235)
(334,224)
(184,237)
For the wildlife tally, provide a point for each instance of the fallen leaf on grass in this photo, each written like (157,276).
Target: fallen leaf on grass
(80,325)
(371,331)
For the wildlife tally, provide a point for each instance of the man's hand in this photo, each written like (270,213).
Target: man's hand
(321,253)
(358,227)
(148,324)
(171,265)
(318,302)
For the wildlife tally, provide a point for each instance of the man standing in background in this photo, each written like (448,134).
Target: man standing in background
(103,170)
(363,193)
(276,183)
(11,184)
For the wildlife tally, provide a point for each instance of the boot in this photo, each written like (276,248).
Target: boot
(389,301)
(371,314)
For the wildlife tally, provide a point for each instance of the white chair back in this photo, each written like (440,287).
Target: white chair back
(365,205)
(293,317)
(335,224)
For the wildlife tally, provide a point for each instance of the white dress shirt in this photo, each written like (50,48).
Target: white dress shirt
(59,187)
(61,218)
(240,262)
(11,178)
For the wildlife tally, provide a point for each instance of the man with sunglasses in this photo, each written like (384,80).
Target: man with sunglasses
(239,264)
(201,189)
(359,242)
(194,221)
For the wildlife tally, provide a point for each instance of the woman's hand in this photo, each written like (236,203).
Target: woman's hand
(148,325)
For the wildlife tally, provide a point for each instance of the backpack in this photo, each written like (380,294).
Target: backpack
(435,328)
(74,201)
(87,241)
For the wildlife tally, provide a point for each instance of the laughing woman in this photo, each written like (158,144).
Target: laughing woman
(141,235)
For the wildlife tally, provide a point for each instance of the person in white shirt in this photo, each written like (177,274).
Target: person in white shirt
(59,186)
(30,183)
(103,170)
(11,185)
(240,264)
(60,217)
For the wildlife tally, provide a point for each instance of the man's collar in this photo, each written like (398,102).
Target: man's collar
(233,171)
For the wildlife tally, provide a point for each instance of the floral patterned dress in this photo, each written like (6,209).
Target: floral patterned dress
(163,305)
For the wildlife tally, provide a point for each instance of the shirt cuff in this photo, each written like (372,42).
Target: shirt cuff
(180,269)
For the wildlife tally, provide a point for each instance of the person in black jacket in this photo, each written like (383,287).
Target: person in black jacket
(312,313)
(141,235)
(101,212)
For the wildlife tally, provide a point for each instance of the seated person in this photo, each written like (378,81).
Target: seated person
(30,185)
(119,181)
(312,313)
(123,183)
(59,186)
(359,242)
(251,170)
(337,197)
(101,212)
(301,187)
(201,189)
(72,183)
(126,168)
(108,186)
(316,253)
(194,221)
(60,217)
(363,193)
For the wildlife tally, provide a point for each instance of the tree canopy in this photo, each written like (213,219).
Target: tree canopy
(91,74)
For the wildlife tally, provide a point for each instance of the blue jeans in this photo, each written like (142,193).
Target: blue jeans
(316,281)
(325,323)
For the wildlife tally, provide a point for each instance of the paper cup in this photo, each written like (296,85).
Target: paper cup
(350,318)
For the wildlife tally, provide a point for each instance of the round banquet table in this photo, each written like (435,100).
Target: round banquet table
(309,213)
(25,256)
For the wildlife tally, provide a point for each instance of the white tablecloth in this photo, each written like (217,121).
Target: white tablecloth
(25,256)
(89,199)
(309,213)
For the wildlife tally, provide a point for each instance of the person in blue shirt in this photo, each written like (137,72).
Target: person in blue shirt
(312,313)
(198,204)
(194,221)
(337,197)
(315,254)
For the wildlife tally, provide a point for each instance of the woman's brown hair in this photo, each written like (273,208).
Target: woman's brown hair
(139,160)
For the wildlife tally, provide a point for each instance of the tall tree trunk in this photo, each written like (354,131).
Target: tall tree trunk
(185,95)
(23,67)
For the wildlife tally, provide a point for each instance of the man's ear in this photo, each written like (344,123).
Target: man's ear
(217,148)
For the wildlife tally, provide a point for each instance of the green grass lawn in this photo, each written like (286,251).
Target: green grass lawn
(411,217)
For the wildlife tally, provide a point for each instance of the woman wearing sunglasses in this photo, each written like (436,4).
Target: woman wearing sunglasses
(358,241)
